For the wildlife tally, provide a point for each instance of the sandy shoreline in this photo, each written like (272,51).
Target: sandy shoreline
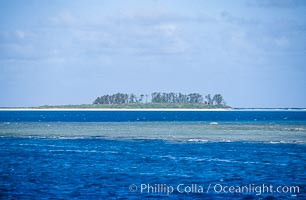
(148,109)
(113,109)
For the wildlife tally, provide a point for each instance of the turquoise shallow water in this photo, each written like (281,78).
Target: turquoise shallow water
(268,132)
(145,160)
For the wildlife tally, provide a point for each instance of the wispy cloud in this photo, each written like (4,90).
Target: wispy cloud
(67,35)
(278,3)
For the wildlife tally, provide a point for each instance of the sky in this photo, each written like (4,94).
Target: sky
(55,52)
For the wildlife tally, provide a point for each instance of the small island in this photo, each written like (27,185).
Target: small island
(156,100)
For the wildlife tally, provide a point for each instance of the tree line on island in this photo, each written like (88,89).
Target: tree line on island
(158,97)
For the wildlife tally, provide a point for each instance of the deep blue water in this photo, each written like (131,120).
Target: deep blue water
(120,116)
(40,166)
(103,169)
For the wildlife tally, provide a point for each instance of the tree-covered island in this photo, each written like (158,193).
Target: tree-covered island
(155,100)
(160,100)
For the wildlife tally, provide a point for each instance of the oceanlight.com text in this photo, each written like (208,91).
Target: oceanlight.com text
(147,188)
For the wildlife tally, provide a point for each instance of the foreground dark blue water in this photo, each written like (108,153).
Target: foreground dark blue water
(104,169)
(178,155)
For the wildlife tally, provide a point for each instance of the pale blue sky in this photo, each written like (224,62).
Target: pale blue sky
(69,52)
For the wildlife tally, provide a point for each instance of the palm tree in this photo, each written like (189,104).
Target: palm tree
(147,98)
(141,98)
(209,100)
(218,99)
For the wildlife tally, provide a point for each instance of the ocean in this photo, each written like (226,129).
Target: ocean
(248,154)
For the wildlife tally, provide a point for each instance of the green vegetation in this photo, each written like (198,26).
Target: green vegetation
(155,100)
(138,105)
(164,98)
